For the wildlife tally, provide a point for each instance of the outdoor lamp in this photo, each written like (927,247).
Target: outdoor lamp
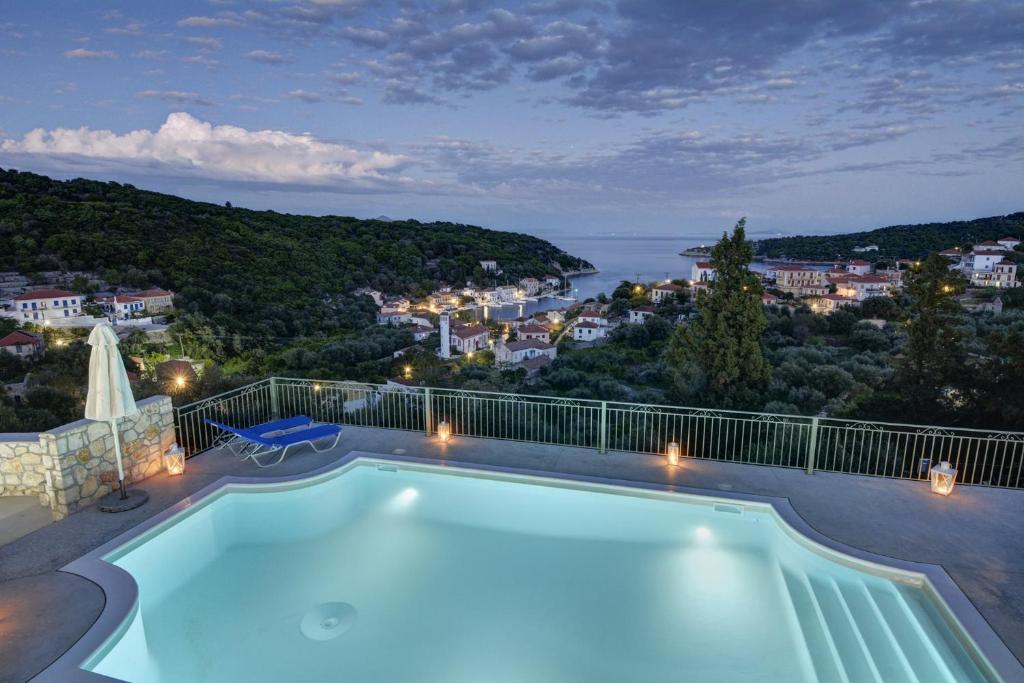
(673,454)
(943,478)
(174,460)
(444,431)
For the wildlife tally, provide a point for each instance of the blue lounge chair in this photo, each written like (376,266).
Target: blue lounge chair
(259,445)
(236,440)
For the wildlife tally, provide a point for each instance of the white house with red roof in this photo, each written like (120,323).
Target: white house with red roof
(991,245)
(1009,242)
(588,331)
(46,305)
(858,267)
(664,291)
(702,271)
(1003,275)
(533,331)
(592,316)
(640,314)
(524,349)
(827,303)
(468,338)
(22,344)
(982,260)
(861,287)
(121,307)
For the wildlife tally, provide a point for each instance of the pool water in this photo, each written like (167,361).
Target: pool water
(431,575)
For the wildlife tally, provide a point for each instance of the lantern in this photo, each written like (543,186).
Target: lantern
(673,454)
(444,431)
(943,478)
(174,460)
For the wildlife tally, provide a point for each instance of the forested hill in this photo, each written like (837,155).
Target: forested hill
(259,272)
(896,241)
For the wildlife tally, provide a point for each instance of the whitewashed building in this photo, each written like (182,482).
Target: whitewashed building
(664,291)
(1009,242)
(489,266)
(588,331)
(858,267)
(469,338)
(47,305)
(702,271)
(639,315)
(121,307)
(518,351)
(1003,275)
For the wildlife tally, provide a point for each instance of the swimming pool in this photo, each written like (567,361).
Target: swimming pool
(384,571)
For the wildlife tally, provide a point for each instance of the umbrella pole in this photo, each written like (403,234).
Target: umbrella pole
(117,454)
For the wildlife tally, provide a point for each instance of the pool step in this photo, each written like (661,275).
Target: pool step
(867,632)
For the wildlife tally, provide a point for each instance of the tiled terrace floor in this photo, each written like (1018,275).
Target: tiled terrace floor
(976,534)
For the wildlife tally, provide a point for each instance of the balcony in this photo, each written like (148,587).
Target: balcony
(888,509)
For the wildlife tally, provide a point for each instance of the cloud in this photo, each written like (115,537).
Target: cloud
(397,92)
(82,53)
(306,96)
(266,57)
(208,22)
(185,146)
(176,96)
(206,42)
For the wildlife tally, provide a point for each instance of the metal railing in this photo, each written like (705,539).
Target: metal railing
(885,449)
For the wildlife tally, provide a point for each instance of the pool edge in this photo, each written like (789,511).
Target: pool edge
(121,591)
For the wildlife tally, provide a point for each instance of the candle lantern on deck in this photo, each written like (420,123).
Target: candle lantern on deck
(174,460)
(444,431)
(672,454)
(943,478)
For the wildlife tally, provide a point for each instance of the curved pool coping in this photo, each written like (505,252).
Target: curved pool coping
(121,592)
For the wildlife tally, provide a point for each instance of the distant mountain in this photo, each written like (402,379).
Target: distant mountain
(896,241)
(260,272)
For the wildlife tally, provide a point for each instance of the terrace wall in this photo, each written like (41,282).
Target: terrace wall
(64,465)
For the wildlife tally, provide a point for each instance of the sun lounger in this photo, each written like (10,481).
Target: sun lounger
(257,443)
(236,440)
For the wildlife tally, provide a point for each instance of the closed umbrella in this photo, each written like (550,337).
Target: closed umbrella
(110,395)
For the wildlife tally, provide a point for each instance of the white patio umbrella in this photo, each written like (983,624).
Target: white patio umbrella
(110,395)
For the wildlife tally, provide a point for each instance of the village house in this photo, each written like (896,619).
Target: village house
(488,297)
(702,271)
(800,280)
(588,331)
(389,315)
(861,287)
(420,316)
(489,266)
(444,297)
(828,303)
(155,300)
(552,282)
(22,344)
(469,338)
(864,249)
(530,286)
(698,288)
(640,314)
(981,261)
(556,316)
(1009,242)
(518,351)
(507,293)
(953,255)
(768,299)
(592,316)
(991,245)
(421,332)
(858,267)
(533,331)
(664,291)
(1003,275)
(47,304)
(121,307)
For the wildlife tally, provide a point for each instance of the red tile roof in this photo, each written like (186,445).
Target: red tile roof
(152,293)
(988,252)
(532,329)
(528,344)
(669,287)
(588,325)
(470,331)
(858,262)
(45,294)
(645,309)
(18,337)
(705,264)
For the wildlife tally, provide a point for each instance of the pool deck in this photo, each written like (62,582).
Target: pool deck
(975,534)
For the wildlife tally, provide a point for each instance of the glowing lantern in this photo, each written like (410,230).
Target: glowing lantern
(174,460)
(444,432)
(943,478)
(673,454)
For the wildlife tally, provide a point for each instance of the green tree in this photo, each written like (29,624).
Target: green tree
(934,353)
(720,354)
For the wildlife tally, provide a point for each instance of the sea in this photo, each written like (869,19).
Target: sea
(636,258)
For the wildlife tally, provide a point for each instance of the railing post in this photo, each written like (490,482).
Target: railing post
(275,403)
(602,444)
(812,447)
(428,416)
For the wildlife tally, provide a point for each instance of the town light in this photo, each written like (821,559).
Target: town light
(60,342)
(179,381)
(943,478)
(638,289)
(444,432)
(174,460)
(317,387)
(408,371)
(672,455)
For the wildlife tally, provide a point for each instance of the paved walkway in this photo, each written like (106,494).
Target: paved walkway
(975,534)
(20,515)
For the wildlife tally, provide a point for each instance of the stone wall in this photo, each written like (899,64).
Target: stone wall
(64,465)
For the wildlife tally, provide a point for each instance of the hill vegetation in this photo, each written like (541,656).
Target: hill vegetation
(895,241)
(258,273)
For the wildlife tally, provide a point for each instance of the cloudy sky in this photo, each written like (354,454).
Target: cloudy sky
(551,116)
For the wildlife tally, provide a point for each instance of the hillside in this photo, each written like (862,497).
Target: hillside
(896,241)
(258,272)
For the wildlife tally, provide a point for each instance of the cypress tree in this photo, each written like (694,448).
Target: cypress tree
(720,355)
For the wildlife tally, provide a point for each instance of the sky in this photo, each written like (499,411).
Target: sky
(554,117)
